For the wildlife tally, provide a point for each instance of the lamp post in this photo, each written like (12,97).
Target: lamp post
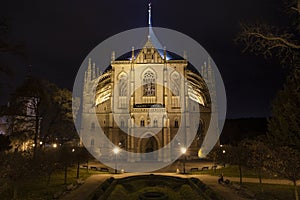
(116,150)
(183,151)
(224,156)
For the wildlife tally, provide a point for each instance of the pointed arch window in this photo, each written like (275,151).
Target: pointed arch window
(175,84)
(142,123)
(176,125)
(92,126)
(155,123)
(149,84)
(122,123)
(122,84)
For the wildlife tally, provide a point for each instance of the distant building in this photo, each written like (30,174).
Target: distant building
(20,122)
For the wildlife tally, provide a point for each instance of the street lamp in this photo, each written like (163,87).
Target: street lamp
(224,154)
(183,151)
(116,150)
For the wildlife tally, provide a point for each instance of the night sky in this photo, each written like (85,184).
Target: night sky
(58,35)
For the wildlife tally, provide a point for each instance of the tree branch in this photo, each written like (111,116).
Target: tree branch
(280,39)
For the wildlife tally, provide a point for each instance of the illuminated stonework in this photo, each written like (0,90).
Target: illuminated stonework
(154,97)
(143,99)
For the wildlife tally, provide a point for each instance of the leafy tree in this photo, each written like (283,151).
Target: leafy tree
(66,158)
(81,155)
(47,162)
(40,109)
(259,155)
(50,163)
(286,163)
(58,123)
(5,143)
(284,131)
(29,104)
(284,126)
(15,167)
(236,154)
(218,155)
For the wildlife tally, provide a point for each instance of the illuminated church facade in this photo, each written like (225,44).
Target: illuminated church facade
(152,94)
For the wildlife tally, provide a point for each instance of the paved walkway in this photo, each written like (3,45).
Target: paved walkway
(227,193)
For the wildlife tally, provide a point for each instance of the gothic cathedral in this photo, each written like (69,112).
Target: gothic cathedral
(144,98)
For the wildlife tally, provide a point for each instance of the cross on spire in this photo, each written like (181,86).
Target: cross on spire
(149,19)
(149,11)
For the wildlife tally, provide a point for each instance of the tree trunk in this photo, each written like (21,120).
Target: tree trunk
(241,175)
(49,178)
(15,191)
(36,133)
(295,189)
(260,182)
(77,175)
(66,171)
(87,166)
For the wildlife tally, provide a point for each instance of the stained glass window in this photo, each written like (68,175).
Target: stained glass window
(149,84)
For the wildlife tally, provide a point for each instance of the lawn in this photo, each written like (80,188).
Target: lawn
(272,191)
(233,171)
(37,188)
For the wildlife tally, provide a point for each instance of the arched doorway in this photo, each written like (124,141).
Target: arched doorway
(148,147)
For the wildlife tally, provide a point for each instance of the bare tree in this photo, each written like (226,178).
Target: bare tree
(262,39)
(271,41)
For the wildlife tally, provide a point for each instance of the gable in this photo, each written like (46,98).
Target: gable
(149,54)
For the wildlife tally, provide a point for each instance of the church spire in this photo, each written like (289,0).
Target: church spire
(149,19)
(151,35)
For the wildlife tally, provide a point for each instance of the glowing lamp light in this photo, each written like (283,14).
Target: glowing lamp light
(200,154)
(54,145)
(41,142)
(116,150)
(183,150)
(73,150)
(223,151)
